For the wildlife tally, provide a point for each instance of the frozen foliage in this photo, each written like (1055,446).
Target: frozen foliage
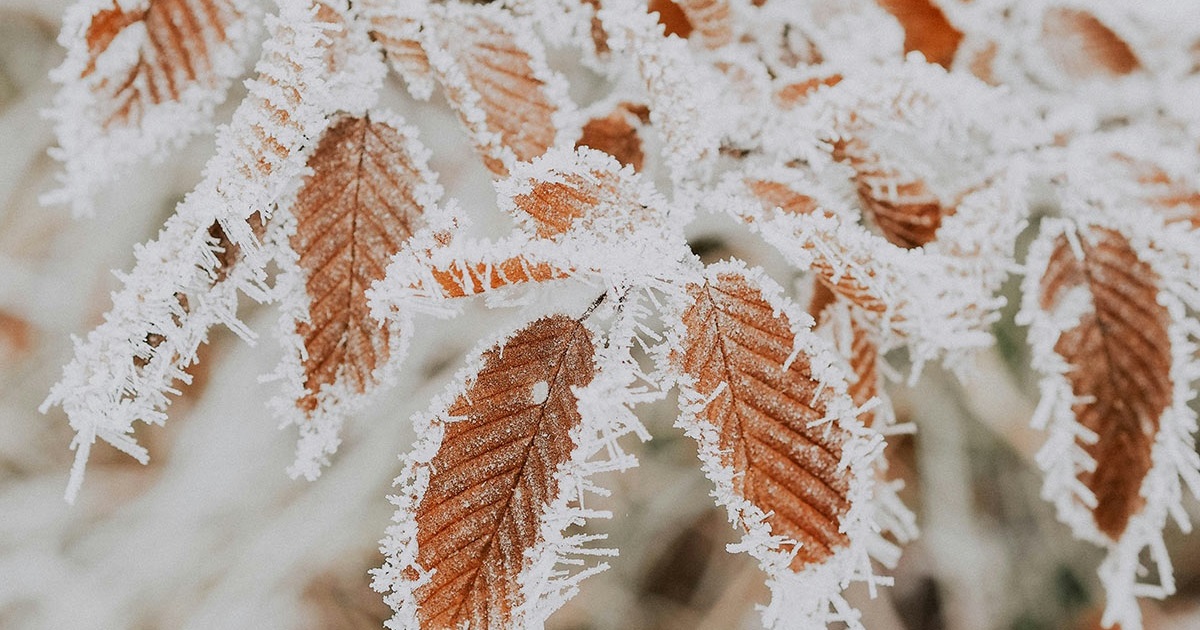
(892,152)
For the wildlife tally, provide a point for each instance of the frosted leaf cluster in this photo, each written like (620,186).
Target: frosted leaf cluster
(891,151)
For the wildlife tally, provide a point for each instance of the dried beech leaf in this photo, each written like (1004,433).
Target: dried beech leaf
(764,403)
(853,286)
(176,42)
(616,135)
(795,94)
(583,190)
(1120,358)
(494,474)
(1174,199)
(709,19)
(399,37)
(463,279)
(926,29)
(497,81)
(903,208)
(1083,47)
(353,213)
(673,18)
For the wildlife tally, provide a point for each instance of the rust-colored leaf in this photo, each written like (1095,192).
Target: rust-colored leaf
(494,473)
(906,212)
(353,213)
(599,36)
(501,80)
(709,19)
(398,37)
(1083,47)
(778,195)
(616,135)
(562,198)
(463,280)
(926,29)
(781,464)
(1174,199)
(671,16)
(862,355)
(1120,357)
(177,41)
(795,94)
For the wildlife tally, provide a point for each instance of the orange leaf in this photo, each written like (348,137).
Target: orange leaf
(902,207)
(1120,357)
(177,41)
(763,414)
(926,29)
(615,135)
(494,473)
(353,214)
(495,74)
(466,279)
(1083,47)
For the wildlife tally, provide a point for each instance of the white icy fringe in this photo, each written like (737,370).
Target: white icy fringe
(939,300)
(447,38)
(93,156)
(1174,253)
(681,108)
(558,562)
(810,599)
(102,390)
(625,239)
(893,516)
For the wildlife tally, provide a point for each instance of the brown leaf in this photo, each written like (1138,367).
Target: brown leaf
(617,136)
(782,465)
(501,75)
(906,212)
(795,94)
(1083,47)
(926,29)
(567,197)
(671,16)
(862,355)
(463,280)
(709,19)
(599,36)
(177,42)
(1173,198)
(849,285)
(353,213)
(397,36)
(495,472)
(1120,357)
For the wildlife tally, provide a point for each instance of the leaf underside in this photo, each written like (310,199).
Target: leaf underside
(353,214)
(494,473)
(1120,357)
(178,40)
(785,467)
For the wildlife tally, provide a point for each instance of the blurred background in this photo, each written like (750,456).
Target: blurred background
(213,534)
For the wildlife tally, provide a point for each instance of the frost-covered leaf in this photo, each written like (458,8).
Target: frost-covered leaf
(778,436)
(1083,47)
(368,192)
(902,206)
(399,35)
(139,79)
(1107,337)
(926,29)
(494,74)
(126,368)
(617,134)
(708,19)
(485,493)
